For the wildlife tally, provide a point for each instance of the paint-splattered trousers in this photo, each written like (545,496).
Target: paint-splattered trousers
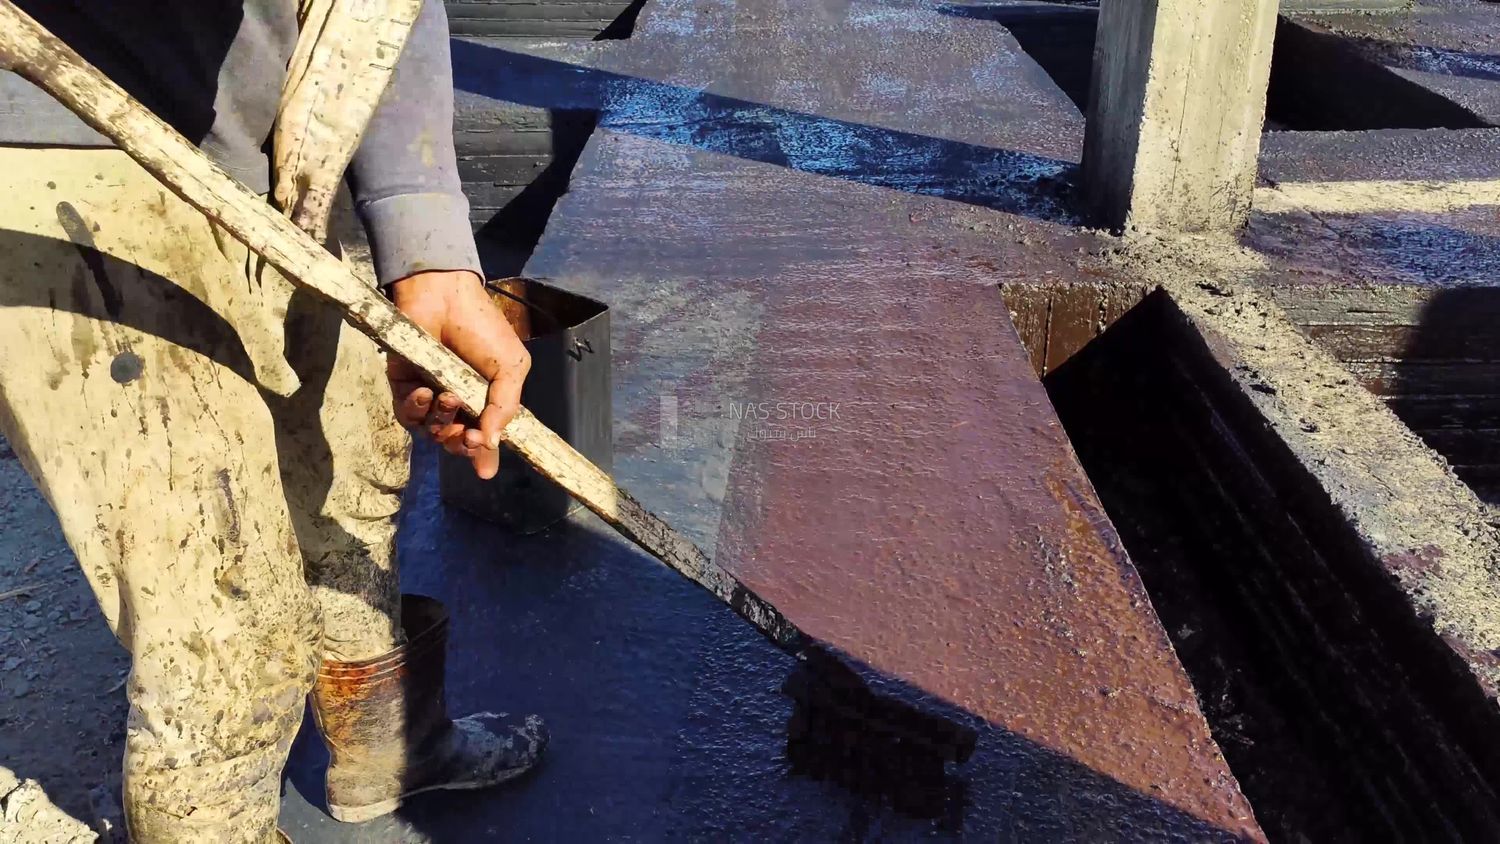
(221,452)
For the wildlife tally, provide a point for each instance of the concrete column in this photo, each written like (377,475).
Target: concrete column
(1175,113)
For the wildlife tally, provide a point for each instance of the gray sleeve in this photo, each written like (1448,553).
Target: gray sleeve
(404,177)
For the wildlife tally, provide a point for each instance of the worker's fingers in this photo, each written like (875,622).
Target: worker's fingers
(504,403)
(440,417)
(453,432)
(486,461)
(487,342)
(413,407)
(494,350)
(455,308)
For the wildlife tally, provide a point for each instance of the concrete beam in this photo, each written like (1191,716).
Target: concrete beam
(1310,6)
(1175,113)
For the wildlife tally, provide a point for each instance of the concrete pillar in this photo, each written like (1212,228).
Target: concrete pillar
(1175,113)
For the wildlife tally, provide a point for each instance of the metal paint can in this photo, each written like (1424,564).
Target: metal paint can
(569,389)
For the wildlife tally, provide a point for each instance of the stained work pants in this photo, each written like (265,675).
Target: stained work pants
(221,453)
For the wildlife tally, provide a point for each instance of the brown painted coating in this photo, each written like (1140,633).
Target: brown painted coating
(946,535)
(936,526)
(1055,321)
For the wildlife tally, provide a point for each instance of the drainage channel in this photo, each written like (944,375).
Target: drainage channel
(1322,693)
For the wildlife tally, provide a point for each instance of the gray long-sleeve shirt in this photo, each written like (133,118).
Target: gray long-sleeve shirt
(214,70)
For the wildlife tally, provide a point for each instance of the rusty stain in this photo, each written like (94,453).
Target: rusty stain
(354,700)
(1426,560)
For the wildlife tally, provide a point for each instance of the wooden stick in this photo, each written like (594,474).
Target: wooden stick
(30,50)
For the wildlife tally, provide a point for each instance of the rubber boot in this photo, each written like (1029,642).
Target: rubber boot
(389,736)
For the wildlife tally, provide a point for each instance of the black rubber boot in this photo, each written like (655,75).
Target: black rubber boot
(385,721)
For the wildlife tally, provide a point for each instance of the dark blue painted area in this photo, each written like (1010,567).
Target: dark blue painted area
(536,629)
(666,717)
(1421,250)
(1012,181)
(1456,63)
(1440,60)
(665,710)
(1454,249)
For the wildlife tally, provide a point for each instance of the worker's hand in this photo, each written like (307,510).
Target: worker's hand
(454,308)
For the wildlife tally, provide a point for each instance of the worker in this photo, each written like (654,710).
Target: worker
(225,456)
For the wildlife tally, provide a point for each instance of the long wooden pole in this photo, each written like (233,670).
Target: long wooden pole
(30,50)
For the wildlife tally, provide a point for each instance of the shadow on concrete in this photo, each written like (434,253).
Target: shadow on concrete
(1320,81)
(1060,38)
(1323,81)
(506,240)
(623,26)
(666,714)
(1004,180)
(1444,381)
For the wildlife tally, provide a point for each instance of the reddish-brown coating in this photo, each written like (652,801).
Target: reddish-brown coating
(940,529)
(827,230)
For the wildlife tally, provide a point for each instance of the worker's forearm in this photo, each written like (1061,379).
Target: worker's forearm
(404,176)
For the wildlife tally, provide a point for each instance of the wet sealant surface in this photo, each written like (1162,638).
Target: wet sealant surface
(826,229)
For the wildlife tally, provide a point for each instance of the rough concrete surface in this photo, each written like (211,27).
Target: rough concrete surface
(1406,155)
(1150,161)
(1429,353)
(1376,208)
(757,249)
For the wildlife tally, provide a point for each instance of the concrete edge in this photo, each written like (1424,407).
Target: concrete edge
(1417,523)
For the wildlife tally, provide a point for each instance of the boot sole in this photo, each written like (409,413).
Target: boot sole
(371,811)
